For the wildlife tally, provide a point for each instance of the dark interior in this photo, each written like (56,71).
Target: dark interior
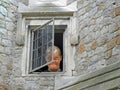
(58,41)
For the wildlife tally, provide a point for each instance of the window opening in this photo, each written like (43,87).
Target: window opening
(43,37)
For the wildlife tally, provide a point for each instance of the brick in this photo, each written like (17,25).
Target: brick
(118,40)
(81,48)
(117,11)
(94,44)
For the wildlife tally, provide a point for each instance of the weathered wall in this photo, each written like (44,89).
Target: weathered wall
(7,31)
(99,31)
(10,54)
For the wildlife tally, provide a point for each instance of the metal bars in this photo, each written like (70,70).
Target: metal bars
(43,39)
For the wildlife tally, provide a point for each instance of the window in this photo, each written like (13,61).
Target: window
(43,37)
(31,26)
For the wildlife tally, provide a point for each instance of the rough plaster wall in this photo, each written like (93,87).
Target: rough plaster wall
(10,54)
(99,31)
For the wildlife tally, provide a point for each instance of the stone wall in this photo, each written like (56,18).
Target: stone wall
(11,54)
(99,43)
(99,32)
(7,33)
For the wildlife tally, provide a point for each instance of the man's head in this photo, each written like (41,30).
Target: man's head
(57,57)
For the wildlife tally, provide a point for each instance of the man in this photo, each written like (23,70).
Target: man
(57,57)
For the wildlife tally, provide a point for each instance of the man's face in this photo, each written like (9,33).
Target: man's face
(55,65)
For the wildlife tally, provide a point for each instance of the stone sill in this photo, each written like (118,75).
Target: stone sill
(80,82)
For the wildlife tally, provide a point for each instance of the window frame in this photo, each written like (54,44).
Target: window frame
(31,44)
(68,53)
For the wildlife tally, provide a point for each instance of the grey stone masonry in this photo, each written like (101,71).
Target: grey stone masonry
(99,32)
(99,44)
(11,54)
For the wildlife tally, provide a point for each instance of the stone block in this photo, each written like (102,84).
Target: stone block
(118,2)
(6,4)
(12,16)
(116,34)
(85,3)
(1,16)
(117,20)
(99,20)
(81,11)
(89,38)
(9,67)
(14,2)
(107,21)
(91,53)
(88,47)
(46,83)
(116,50)
(94,44)
(92,22)
(100,49)
(88,8)
(111,44)
(2,23)
(7,50)
(113,59)
(93,11)
(20,88)
(112,28)
(108,54)
(3,69)
(94,59)
(10,26)
(3,30)
(97,34)
(3,87)
(17,71)
(1,49)
(118,40)
(81,48)
(117,11)
(6,42)
(116,27)
(3,11)
(32,85)
(16,87)
(104,30)
(83,55)
(80,2)
(7,1)
(50,88)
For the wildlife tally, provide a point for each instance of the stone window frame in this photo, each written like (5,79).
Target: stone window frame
(69,49)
